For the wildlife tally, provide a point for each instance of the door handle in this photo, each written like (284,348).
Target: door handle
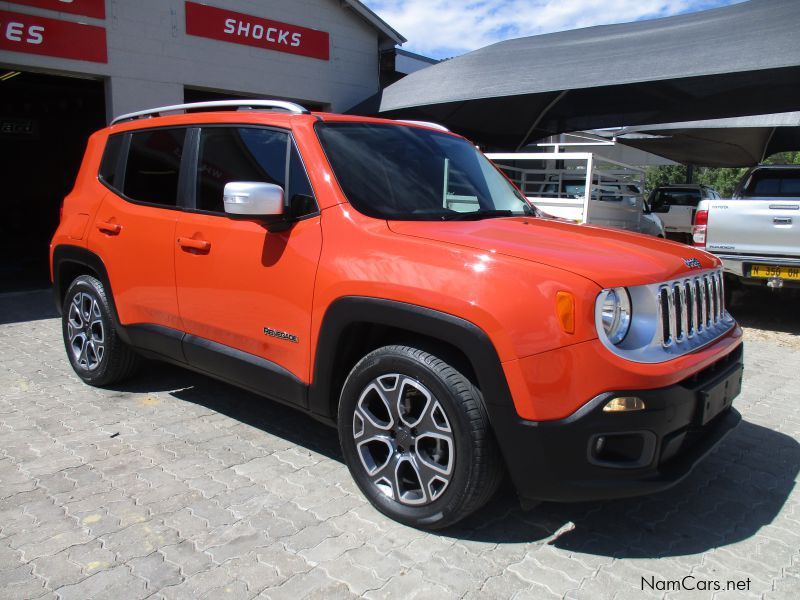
(110,228)
(200,246)
(782,220)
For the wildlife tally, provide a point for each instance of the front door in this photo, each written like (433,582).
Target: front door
(245,289)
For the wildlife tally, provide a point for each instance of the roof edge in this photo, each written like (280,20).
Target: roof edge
(374,20)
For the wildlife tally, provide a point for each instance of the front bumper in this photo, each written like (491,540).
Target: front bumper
(642,452)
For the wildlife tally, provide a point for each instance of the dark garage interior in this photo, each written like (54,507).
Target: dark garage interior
(45,121)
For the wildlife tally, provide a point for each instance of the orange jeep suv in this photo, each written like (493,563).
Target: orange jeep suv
(386,278)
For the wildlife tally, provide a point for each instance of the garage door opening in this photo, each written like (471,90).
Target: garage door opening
(45,121)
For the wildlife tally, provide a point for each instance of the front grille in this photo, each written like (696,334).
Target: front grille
(690,306)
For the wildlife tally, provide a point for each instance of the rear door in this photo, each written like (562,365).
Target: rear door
(134,228)
(241,286)
(764,221)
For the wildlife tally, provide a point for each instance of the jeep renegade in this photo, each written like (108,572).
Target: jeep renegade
(386,278)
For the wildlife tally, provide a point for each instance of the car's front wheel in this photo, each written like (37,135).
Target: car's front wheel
(97,354)
(416,438)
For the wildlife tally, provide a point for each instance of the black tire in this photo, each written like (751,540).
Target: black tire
(100,357)
(475,467)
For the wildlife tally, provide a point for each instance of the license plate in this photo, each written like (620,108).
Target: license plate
(768,271)
(719,396)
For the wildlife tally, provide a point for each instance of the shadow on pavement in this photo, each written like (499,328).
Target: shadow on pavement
(31,305)
(271,417)
(760,308)
(729,497)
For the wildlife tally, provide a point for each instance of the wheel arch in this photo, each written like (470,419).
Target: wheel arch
(355,325)
(70,262)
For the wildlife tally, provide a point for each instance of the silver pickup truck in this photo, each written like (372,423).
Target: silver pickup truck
(756,233)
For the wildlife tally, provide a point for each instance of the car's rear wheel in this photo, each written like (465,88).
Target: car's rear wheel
(96,352)
(416,438)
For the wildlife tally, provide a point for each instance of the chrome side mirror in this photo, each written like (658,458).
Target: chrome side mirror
(253,199)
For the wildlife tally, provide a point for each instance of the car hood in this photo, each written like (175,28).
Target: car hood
(609,257)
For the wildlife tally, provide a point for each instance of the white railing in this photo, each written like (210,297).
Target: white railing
(579,186)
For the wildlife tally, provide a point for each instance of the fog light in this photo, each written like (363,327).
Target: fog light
(624,404)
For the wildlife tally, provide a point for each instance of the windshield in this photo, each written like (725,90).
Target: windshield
(407,173)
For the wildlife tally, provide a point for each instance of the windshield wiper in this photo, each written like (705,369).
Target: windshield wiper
(477,215)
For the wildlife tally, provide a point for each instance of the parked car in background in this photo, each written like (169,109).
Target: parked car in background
(676,205)
(650,223)
(757,232)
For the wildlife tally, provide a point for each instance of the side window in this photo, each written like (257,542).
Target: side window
(300,194)
(153,166)
(110,161)
(237,154)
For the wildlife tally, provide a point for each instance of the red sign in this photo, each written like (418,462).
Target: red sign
(89,8)
(238,28)
(51,37)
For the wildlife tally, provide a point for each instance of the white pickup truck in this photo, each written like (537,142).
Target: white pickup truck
(756,233)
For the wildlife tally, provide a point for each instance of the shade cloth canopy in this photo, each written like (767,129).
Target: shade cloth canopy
(737,60)
(736,142)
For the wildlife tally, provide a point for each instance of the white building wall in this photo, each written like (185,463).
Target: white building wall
(151,58)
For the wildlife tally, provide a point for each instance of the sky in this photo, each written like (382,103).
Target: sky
(445,28)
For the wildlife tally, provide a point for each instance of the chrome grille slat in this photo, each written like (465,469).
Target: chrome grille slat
(673,328)
(703,302)
(689,307)
(663,316)
(683,314)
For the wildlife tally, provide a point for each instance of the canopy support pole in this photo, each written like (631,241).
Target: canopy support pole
(767,143)
(539,118)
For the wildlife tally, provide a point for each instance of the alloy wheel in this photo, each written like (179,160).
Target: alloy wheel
(404,439)
(85,331)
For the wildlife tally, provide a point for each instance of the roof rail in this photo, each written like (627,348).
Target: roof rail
(425,124)
(238,104)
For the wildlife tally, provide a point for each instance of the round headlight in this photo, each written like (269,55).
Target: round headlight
(615,314)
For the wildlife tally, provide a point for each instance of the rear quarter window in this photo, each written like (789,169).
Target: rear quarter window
(110,162)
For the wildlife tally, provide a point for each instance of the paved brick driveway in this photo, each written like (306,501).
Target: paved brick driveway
(176,486)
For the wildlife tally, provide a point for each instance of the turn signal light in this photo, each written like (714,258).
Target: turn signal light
(699,228)
(565,309)
(624,404)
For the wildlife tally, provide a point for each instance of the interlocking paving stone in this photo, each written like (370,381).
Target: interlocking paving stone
(208,491)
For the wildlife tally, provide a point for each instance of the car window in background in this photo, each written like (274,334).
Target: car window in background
(775,184)
(665,198)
